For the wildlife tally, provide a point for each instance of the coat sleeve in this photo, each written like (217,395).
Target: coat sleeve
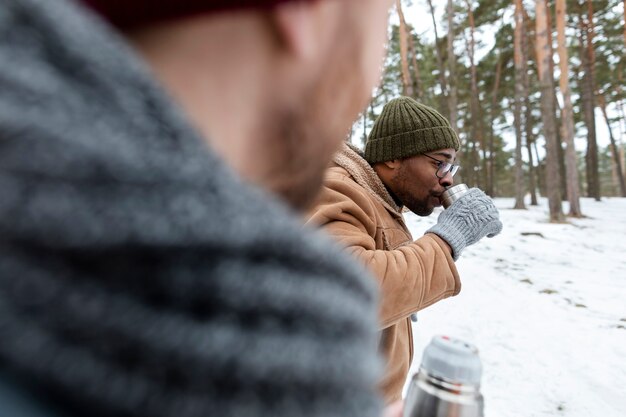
(411,277)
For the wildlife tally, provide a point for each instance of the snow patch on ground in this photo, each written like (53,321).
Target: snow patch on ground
(546,306)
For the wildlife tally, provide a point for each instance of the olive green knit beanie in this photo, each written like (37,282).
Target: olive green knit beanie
(406,128)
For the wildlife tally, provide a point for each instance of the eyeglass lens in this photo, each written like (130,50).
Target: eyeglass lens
(446,167)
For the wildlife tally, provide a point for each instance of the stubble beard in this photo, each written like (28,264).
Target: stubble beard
(419,206)
(311,131)
(310,134)
(303,151)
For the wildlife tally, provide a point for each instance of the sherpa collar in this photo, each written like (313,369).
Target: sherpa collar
(352,160)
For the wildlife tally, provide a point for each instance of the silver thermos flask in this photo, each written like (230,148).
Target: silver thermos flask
(448,381)
(450,195)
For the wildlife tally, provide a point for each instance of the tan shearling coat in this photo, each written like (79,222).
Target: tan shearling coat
(356,208)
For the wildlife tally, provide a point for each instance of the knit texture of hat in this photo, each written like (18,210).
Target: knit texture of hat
(406,128)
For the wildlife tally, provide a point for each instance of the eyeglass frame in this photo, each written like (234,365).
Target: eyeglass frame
(446,166)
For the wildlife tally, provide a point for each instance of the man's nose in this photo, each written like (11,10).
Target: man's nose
(447,180)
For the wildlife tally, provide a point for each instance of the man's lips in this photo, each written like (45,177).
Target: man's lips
(437,198)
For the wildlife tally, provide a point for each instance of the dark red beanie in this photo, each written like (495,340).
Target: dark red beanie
(131,13)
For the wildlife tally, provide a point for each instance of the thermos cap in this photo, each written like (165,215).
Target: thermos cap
(450,195)
(453,360)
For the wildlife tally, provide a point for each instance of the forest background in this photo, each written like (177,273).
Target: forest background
(535,90)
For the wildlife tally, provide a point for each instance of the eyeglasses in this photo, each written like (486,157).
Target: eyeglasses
(444,167)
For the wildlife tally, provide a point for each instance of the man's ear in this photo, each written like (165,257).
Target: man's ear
(296,26)
(393,164)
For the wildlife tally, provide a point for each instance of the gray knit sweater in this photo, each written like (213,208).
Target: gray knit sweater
(138,275)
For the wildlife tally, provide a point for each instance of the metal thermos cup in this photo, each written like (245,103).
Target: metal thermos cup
(448,381)
(452,194)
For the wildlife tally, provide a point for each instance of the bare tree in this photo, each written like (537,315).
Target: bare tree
(440,66)
(557,111)
(492,151)
(614,148)
(407,84)
(529,136)
(567,119)
(622,128)
(518,55)
(477,125)
(452,94)
(417,85)
(546,84)
(587,55)
(530,141)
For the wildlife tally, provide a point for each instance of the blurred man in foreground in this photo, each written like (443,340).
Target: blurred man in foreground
(151,158)
(408,162)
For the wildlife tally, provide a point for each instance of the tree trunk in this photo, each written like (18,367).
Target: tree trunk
(546,83)
(588,104)
(469,163)
(452,95)
(476,118)
(557,111)
(540,169)
(532,174)
(417,87)
(407,84)
(622,126)
(517,110)
(492,152)
(442,68)
(528,120)
(559,140)
(567,119)
(614,149)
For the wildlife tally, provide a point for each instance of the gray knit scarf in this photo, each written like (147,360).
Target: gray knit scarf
(138,275)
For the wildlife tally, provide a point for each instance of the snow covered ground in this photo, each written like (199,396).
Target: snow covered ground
(546,306)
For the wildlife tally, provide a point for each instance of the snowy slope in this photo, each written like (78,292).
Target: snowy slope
(546,306)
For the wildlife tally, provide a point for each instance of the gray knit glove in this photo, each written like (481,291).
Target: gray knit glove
(468,220)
